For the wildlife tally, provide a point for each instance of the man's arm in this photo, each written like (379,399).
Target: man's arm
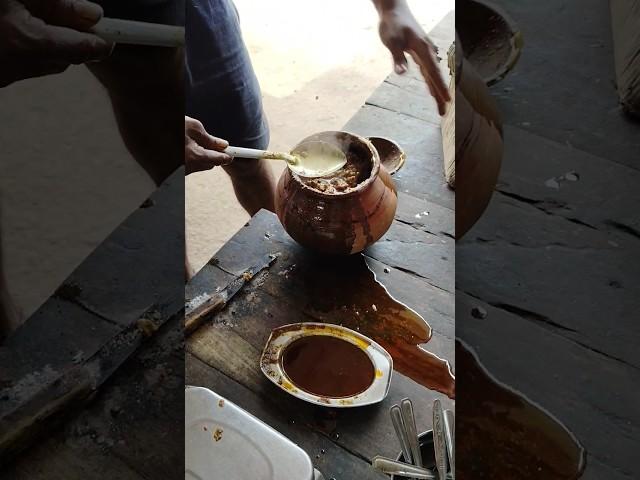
(400,32)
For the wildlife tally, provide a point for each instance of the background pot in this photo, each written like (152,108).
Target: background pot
(471,140)
(340,223)
(491,40)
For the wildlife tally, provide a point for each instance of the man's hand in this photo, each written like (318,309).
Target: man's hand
(42,37)
(400,33)
(201,150)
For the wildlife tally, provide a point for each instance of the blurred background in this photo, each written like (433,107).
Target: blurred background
(58,178)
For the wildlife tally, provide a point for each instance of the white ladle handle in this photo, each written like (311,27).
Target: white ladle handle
(139,33)
(245,152)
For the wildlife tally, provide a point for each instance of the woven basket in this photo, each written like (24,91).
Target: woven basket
(625,18)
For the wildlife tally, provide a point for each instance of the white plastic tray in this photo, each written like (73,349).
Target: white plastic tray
(224,442)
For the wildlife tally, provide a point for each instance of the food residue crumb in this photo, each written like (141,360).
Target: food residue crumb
(221,403)
(217,435)
(375,309)
(146,326)
(247,276)
(205,428)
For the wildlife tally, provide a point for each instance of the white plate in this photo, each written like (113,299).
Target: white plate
(271,363)
(224,442)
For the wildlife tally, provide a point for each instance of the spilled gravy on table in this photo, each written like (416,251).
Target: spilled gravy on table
(503,436)
(345,291)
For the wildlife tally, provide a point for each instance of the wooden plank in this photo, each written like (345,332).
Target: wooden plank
(60,334)
(242,251)
(573,99)
(422,174)
(132,430)
(280,296)
(564,181)
(569,277)
(102,300)
(137,266)
(581,387)
(426,216)
(428,256)
(76,460)
(413,101)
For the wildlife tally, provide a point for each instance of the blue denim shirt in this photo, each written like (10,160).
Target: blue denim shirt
(222,90)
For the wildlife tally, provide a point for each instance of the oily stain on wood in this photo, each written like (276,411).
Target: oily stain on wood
(502,436)
(344,291)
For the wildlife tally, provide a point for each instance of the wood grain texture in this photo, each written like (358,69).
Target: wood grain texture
(233,342)
(132,430)
(563,377)
(553,261)
(553,95)
(54,363)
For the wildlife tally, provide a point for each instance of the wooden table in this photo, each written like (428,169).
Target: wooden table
(130,427)
(418,252)
(554,261)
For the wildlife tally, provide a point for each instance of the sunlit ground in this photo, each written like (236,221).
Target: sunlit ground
(317,62)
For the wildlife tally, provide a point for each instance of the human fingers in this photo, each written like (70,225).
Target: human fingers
(64,44)
(198,159)
(77,14)
(424,56)
(197,132)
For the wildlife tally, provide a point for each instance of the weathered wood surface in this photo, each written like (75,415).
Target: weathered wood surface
(563,377)
(133,429)
(553,260)
(564,87)
(233,342)
(53,364)
(414,260)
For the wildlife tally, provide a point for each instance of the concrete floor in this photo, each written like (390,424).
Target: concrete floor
(62,161)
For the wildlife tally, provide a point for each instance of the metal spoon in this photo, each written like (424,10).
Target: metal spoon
(309,159)
(401,433)
(449,435)
(412,433)
(401,469)
(439,442)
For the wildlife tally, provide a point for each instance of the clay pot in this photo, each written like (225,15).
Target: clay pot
(472,141)
(490,38)
(344,222)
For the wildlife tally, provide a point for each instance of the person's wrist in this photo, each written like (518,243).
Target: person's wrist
(390,8)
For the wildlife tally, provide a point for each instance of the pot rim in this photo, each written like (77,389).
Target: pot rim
(375,169)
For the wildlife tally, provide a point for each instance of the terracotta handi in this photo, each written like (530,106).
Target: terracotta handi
(345,212)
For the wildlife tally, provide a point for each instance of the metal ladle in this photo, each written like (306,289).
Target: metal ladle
(309,159)
(400,469)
